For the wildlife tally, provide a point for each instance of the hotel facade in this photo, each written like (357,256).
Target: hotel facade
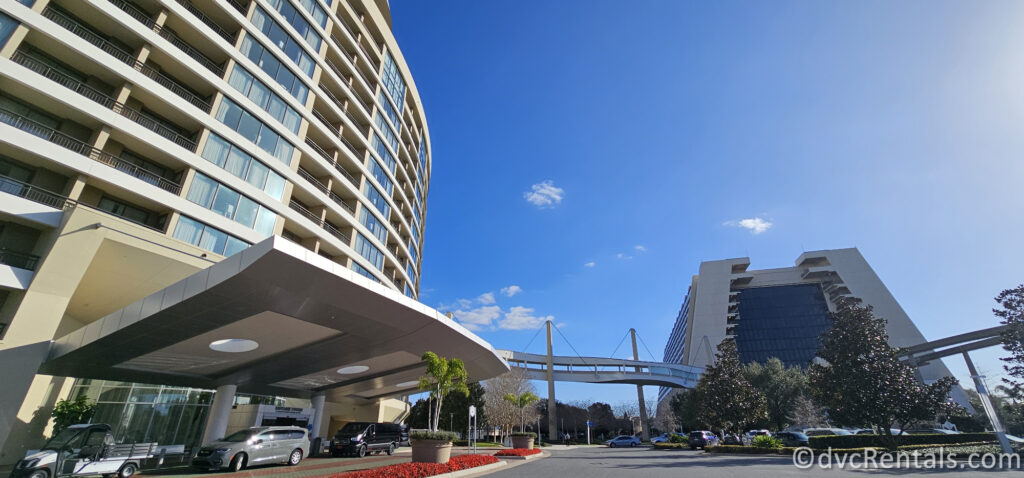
(782,312)
(211,205)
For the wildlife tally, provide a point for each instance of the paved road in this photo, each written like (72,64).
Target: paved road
(643,462)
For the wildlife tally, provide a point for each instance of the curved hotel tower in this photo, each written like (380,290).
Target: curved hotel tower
(142,142)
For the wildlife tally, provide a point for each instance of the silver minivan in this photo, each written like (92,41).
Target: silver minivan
(254,446)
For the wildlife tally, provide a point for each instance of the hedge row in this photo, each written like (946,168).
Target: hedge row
(666,445)
(861,441)
(750,450)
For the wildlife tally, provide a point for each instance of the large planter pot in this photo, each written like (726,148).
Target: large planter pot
(522,442)
(431,451)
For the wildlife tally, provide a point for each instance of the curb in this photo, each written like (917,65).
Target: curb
(522,458)
(471,471)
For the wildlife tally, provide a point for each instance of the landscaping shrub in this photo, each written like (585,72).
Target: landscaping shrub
(664,445)
(765,441)
(422,470)
(861,441)
(438,435)
(673,438)
(518,452)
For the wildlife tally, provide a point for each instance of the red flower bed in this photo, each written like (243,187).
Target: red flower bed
(518,452)
(421,470)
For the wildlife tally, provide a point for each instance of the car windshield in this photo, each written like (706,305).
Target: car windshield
(353,428)
(63,438)
(842,432)
(238,437)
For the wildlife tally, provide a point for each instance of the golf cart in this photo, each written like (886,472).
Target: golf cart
(84,450)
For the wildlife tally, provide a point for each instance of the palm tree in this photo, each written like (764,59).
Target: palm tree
(521,402)
(443,377)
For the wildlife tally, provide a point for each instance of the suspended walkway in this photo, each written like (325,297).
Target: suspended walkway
(604,370)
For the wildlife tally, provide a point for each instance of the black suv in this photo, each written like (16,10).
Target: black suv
(360,438)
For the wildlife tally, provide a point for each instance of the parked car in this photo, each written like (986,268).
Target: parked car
(254,446)
(360,438)
(748,437)
(817,432)
(931,431)
(404,440)
(868,431)
(623,440)
(792,438)
(702,439)
(731,439)
(663,438)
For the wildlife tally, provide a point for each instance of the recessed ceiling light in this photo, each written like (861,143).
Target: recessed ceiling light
(408,384)
(234,345)
(353,369)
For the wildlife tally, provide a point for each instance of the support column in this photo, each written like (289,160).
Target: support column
(986,403)
(645,431)
(317,402)
(552,423)
(220,409)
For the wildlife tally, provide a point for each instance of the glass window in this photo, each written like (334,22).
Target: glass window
(213,240)
(376,226)
(201,190)
(781,321)
(369,252)
(272,67)
(247,209)
(229,203)
(262,20)
(386,130)
(225,202)
(364,272)
(384,154)
(297,21)
(260,94)
(254,130)
(378,173)
(393,81)
(7,27)
(377,199)
(423,160)
(385,105)
(265,222)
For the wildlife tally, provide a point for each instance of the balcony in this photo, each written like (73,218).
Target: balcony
(67,142)
(330,228)
(20,260)
(330,160)
(317,184)
(209,21)
(128,58)
(32,193)
(167,34)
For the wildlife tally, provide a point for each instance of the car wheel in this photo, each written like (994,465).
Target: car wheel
(361,451)
(295,457)
(391,449)
(39,474)
(127,471)
(238,462)
(633,444)
(611,445)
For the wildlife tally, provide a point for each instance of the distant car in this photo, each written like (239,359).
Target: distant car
(868,431)
(792,438)
(817,432)
(663,438)
(748,437)
(702,439)
(623,440)
(731,439)
(254,446)
(931,431)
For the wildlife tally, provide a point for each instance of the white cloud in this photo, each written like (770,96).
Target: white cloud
(755,225)
(511,290)
(522,318)
(639,248)
(590,264)
(544,194)
(623,256)
(479,318)
(486,299)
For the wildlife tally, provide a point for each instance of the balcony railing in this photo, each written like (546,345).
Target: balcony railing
(207,20)
(326,122)
(317,184)
(20,260)
(370,86)
(32,193)
(155,126)
(242,7)
(125,57)
(67,142)
(330,228)
(145,19)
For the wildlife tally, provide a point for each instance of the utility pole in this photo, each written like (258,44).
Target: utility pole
(552,424)
(645,431)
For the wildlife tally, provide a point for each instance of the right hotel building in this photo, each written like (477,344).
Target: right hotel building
(782,312)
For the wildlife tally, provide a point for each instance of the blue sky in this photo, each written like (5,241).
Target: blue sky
(593,155)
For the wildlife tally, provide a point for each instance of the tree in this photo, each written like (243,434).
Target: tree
(443,378)
(683,405)
(806,413)
(455,410)
(71,412)
(863,382)
(499,411)
(725,399)
(522,401)
(1011,312)
(781,387)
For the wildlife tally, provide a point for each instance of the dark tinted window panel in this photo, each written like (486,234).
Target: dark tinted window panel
(783,321)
